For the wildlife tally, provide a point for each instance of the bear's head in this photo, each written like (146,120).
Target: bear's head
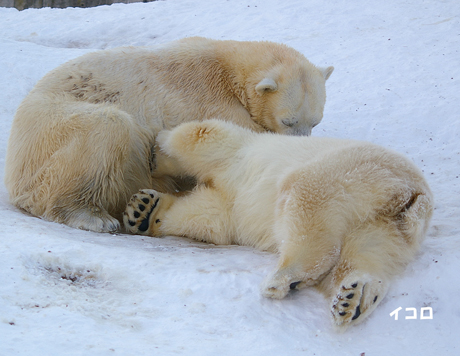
(193,147)
(289,99)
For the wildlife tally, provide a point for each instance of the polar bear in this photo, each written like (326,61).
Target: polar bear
(345,216)
(82,141)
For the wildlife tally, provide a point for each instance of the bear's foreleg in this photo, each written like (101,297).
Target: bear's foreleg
(202,215)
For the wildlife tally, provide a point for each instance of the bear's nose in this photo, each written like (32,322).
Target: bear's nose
(290,122)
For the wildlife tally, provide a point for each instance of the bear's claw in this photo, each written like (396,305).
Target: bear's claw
(347,304)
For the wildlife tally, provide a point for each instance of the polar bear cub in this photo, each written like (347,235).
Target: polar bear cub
(82,141)
(345,216)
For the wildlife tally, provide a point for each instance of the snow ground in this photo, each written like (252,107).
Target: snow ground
(396,83)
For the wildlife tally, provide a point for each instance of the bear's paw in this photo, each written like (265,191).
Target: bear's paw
(93,218)
(141,212)
(356,298)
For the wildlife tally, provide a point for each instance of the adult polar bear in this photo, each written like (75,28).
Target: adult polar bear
(345,216)
(81,142)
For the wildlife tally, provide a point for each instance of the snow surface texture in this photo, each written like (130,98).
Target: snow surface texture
(396,83)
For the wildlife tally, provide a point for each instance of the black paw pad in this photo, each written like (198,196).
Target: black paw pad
(146,200)
(357,314)
(144,225)
(141,207)
(351,295)
(293,285)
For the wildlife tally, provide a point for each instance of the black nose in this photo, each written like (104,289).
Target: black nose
(290,122)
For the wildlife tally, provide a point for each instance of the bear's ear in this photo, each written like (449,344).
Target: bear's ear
(266,85)
(326,72)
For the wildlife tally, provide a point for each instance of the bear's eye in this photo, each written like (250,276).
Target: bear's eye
(290,122)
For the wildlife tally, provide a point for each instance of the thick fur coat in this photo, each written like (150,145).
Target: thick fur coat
(81,142)
(345,216)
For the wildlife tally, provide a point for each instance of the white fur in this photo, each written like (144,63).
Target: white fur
(345,216)
(81,142)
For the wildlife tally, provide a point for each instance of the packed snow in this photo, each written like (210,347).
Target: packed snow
(396,83)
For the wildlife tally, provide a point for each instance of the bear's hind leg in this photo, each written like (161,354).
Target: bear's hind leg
(76,163)
(370,256)
(303,262)
(309,236)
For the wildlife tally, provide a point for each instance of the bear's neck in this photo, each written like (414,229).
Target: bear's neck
(241,66)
